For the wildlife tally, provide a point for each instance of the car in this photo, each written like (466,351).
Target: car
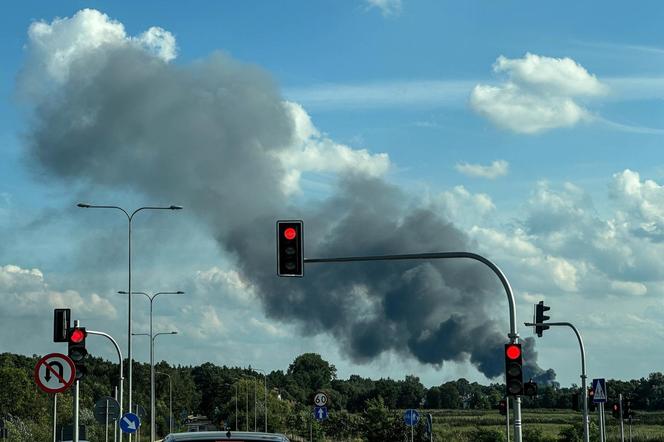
(226,436)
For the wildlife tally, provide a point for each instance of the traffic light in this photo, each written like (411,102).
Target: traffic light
(61,324)
(77,351)
(530,388)
(615,410)
(513,370)
(290,254)
(540,317)
(502,407)
(629,413)
(591,395)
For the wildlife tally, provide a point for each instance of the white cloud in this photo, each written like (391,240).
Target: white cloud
(314,152)
(538,95)
(642,201)
(387,7)
(26,293)
(629,288)
(463,207)
(227,282)
(54,47)
(497,169)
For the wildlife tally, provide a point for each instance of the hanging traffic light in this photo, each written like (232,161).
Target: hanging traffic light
(290,254)
(513,370)
(540,317)
(502,407)
(76,349)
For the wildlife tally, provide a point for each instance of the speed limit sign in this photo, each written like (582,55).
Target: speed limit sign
(320,399)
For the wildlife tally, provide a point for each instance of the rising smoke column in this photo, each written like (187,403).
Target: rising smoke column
(114,111)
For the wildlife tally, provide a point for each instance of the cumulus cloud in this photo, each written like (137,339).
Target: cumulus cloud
(496,169)
(26,293)
(540,93)
(642,203)
(464,207)
(386,7)
(311,151)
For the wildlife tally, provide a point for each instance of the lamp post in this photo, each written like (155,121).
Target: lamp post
(152,404)
(130,217)
(152,396)
(265,388)
(234,385)
(170,401)
(246,401)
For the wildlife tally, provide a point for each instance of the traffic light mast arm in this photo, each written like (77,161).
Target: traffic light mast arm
(583,368)
(513,335)
(117,348)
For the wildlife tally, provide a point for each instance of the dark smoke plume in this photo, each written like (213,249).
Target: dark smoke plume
(135,122)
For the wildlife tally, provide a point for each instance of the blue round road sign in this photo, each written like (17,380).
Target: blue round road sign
(411,417)
(129,423)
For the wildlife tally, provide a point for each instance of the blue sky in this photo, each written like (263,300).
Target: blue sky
(535,129)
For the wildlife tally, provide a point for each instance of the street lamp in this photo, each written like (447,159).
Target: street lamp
(129,219)
(152,395)
(152,404)
(170,401)
(265,388)
(246,401)
(234,385)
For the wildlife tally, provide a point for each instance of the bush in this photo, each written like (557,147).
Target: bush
(487,435)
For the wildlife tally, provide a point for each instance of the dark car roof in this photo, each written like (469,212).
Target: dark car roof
(224,436)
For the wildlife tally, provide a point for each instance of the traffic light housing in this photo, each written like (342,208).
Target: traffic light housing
(502,407)
(290,253)
(591,395)
(628,412)
(61,324)
(540,317)
(615,410)
(76,349)
(513,370)
(530,388)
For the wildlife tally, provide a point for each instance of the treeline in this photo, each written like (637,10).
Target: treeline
(218,391)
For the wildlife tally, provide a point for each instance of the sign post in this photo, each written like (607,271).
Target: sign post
(600,396)
(411,417)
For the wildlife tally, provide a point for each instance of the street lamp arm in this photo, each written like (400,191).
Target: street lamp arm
(163,333)
(171,207)
(96,206)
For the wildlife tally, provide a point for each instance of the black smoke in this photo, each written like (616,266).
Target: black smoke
(207,135)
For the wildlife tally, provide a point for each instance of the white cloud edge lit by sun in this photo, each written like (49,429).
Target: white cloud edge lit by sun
(496,169)
(386,7)
(539,94)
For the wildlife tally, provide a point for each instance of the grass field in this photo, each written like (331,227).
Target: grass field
(462,425)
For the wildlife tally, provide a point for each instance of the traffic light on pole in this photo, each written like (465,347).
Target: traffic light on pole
(77,351)
(290,254)
(540,317)
(502,407)
(615,410)
(513,370)
(629,413)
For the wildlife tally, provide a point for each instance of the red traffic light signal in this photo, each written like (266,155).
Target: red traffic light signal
(513,370)
(77,335)
(290,254)
(502,407)
(76,349)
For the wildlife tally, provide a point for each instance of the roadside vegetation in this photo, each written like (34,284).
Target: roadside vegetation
(360,409)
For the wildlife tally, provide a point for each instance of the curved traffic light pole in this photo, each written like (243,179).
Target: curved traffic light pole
(513,335)
(121,380)
(586,434)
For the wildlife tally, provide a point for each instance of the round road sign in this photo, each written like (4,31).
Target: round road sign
(106,405)
(320,399)
(55,373)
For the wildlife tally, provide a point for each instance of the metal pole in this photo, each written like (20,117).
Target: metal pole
(106,424)
(586,419)
(599,422)
(152,404)
(622,425)
(121,380)
(236,406)
(55,417)
(255,417)
(513,335)
(76,393)
(602,430)
(115,421)
(170,405)
(630,429)
(507,417)
(76,397)
(411,430)
(246,404)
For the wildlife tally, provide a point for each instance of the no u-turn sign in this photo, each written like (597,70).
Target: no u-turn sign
(55,373)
